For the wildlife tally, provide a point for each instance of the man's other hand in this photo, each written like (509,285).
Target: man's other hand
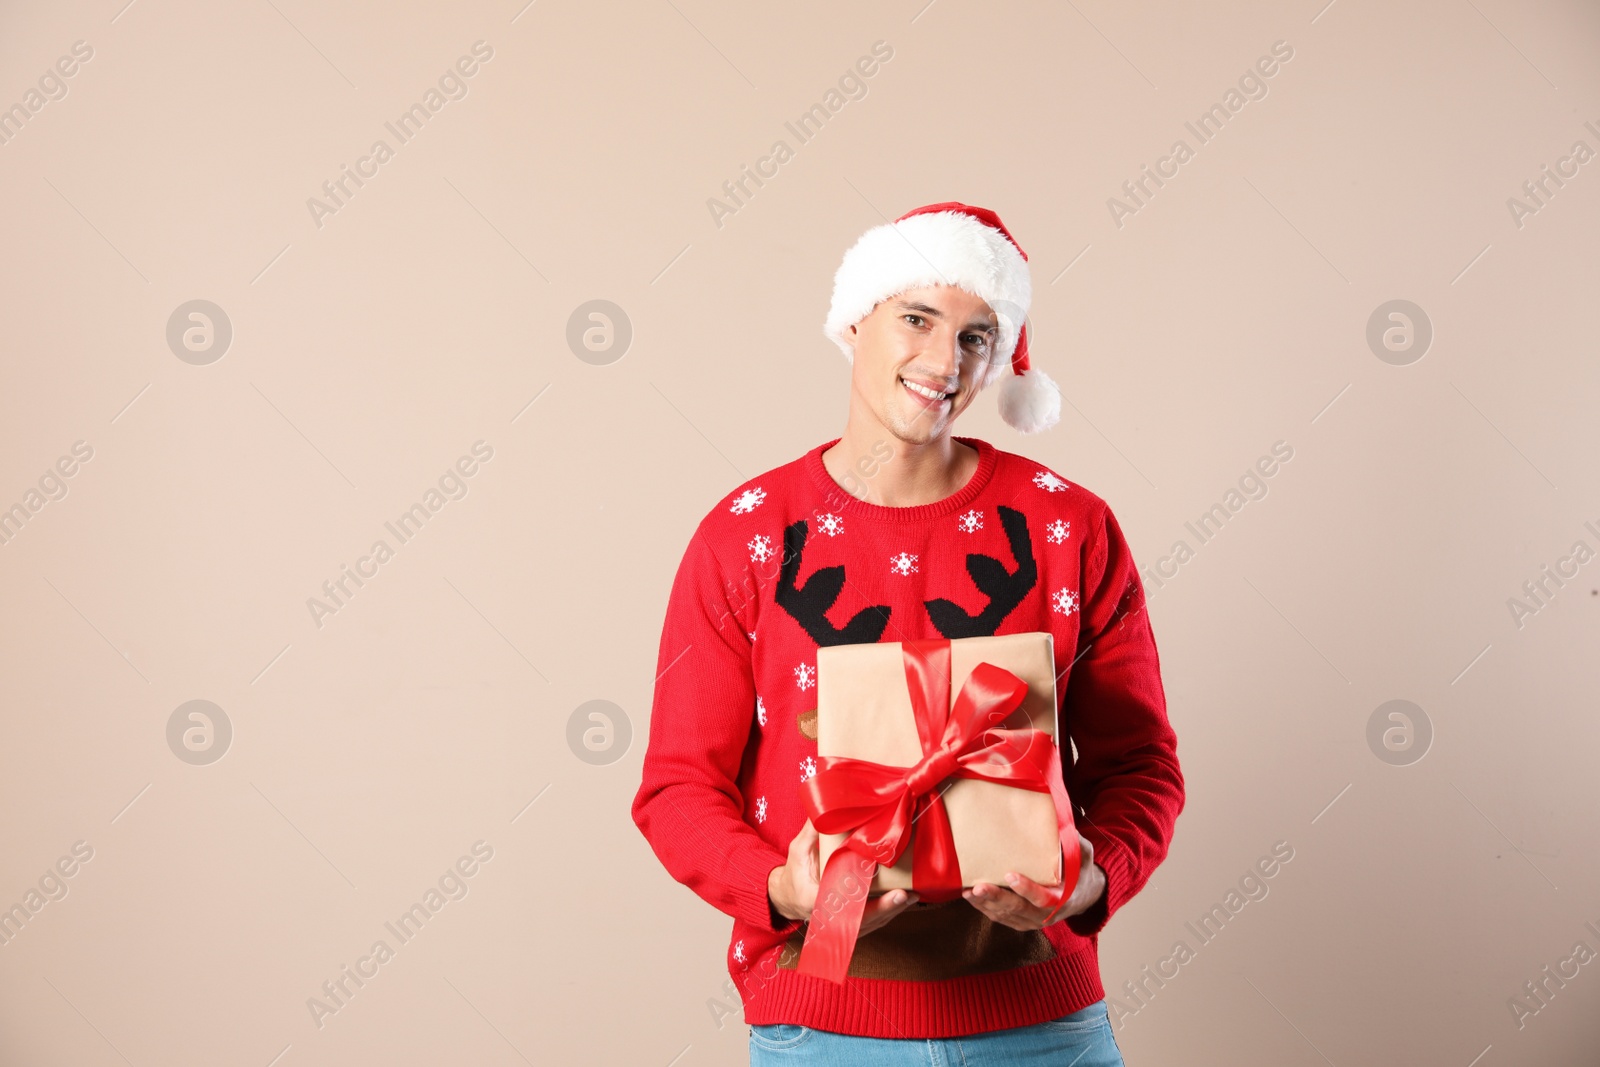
(1026,904)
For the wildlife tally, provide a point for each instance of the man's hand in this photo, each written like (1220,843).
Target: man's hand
(793,886)
(1025,906)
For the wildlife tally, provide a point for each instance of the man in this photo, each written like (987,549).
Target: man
(899,530)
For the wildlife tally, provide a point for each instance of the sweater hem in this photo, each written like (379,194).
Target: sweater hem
(956,1007)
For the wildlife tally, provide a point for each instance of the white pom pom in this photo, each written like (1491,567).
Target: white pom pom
(1030,401)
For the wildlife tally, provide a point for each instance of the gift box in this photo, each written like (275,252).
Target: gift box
(937,769)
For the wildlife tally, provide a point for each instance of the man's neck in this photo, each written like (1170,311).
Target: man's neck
(875,466)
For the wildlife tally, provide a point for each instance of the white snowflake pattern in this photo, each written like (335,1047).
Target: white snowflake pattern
(805,676)
(1049,482)
(830,524)
(808,769)
(1058,531)
(752,634)
(971,522)
(748,500)
(903,563)
(760,547)
(761,711)
(738,951)
(761,809)
(1065,601)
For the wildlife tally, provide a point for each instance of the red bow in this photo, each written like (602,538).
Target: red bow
(877,804)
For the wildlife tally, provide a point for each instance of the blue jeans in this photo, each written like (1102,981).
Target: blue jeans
(1082,1039)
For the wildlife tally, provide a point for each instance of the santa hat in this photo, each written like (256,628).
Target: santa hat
(970,248)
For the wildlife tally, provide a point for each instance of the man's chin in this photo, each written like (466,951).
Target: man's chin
(932,421)
(916,430)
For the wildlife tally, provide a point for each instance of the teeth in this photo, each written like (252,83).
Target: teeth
(920,390)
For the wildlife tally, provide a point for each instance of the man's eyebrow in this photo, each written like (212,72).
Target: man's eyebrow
(934,313)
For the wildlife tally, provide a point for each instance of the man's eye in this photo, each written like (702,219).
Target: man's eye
(915,320)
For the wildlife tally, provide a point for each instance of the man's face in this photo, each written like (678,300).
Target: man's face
(940,338)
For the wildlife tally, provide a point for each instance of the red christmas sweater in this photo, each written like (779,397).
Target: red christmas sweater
(790,561)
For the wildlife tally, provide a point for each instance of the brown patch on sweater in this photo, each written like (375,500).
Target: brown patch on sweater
(933,942)
(808,724)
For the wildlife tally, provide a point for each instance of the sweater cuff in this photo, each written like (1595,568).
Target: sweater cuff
(750,869)
(1111,858)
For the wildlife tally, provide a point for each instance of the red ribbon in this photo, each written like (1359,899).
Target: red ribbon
(878,804)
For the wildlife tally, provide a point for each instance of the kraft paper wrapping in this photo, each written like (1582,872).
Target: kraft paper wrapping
(864,711)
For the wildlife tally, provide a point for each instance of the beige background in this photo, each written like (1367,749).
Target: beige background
(368,354)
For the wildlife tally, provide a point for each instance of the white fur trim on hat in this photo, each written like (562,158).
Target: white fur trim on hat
(936,248)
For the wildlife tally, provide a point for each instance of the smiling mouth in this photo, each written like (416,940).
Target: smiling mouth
(926,393)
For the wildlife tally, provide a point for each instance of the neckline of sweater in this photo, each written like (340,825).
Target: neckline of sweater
(844,503)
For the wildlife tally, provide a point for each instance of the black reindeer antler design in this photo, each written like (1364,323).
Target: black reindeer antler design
(809,606)
(1005,589)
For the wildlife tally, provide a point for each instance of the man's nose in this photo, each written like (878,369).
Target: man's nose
(945,353)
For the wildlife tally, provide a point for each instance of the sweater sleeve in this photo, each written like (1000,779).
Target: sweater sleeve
(689,806)
(1125,779)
